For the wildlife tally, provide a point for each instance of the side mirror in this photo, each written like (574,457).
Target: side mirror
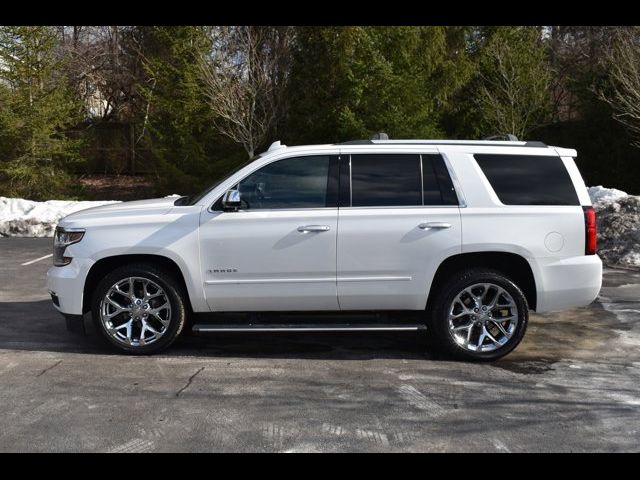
(231,200)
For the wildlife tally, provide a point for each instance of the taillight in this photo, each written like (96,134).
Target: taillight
(590,231)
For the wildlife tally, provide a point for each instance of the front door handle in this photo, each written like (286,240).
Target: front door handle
(427,225)
(313,228)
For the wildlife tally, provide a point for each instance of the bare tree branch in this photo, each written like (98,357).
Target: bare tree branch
(623,89)
(514,90)
(243,81)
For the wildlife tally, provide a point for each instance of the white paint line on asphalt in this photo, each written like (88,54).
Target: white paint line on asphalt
(500,446)
(419,400)
(36,260)
(137,445)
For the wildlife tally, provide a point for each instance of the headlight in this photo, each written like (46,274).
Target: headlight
(61,240)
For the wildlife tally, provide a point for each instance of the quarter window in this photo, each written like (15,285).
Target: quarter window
(528,179)
(298,182)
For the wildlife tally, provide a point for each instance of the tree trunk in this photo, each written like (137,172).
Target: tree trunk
(132,149)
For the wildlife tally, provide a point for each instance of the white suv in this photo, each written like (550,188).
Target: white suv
(472,234)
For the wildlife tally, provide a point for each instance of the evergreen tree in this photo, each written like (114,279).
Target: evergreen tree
(37,110)
(513,88)
(350,82)
(176,121)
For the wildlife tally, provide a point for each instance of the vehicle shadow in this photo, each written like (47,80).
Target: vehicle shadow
(37,326)
(580,334)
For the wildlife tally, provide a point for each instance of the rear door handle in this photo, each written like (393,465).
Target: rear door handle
(313,228)
(427,225)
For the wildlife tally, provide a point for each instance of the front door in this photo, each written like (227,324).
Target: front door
(278,251)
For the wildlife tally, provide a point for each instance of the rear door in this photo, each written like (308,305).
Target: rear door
(398,219)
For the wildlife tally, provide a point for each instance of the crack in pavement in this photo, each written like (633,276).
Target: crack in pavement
(49,368)
(188,384)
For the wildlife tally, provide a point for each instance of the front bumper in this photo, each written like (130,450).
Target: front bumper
(567,283)
(67,284)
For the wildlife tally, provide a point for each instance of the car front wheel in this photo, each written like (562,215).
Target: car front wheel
(139,308)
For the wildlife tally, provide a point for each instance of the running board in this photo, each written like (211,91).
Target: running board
(327,327)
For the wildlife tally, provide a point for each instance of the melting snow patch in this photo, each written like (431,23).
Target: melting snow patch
(26,218)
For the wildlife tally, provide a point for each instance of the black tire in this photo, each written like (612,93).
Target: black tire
(438,321)
(174,294)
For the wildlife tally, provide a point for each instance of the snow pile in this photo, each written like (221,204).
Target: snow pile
(601,194)
(618,223)
(26,218)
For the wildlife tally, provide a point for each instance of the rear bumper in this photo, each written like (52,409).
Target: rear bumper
(67,285)
(567,283)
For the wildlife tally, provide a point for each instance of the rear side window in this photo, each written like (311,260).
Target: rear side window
(385,180)
(400,180)
(528,179)
(437,184)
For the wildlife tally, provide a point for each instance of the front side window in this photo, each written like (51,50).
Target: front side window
(385,180)
(298,182)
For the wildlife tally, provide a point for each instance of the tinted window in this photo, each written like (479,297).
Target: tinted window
(528,179)
(437,184)
(385,180)
(299,182)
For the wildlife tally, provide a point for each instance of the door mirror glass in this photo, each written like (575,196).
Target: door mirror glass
(231,200)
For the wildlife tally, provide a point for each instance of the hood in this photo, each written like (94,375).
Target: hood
(155,206)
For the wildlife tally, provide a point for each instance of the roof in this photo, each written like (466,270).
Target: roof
(277,146)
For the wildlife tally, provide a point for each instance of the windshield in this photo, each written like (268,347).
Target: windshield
(193,199)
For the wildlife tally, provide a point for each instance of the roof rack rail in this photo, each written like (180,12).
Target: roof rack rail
(512,138)
(356,142)
(375,136)
(532,144)
(499,142)
(379,136)
(505,138)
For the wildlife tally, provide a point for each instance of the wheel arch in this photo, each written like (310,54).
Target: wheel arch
(107,264)
(512,265)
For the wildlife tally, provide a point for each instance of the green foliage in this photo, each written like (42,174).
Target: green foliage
(340,83)
(510,91)
(37,110)
(188,151)
(349,82)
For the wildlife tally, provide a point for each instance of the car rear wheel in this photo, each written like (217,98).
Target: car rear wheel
(479,315)
(139,308)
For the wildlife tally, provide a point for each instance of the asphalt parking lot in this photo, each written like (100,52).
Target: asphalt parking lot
(572,385)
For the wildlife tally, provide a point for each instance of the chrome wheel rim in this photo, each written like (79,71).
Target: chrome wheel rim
(135,311)
(483,317)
